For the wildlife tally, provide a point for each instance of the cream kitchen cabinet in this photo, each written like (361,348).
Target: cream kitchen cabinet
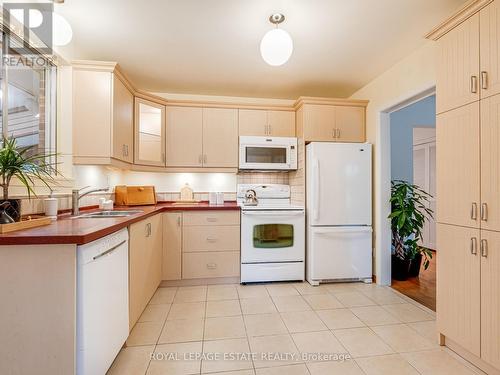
(489,20)
(172,246)
(458,166)
(184,137)
(260,122)
(458,66)
(103,107)
(220,137)
(149,133)
(202,137)
(332,123)
(468,183)
(459,285)
(468,284)
(145,263)
(210,244)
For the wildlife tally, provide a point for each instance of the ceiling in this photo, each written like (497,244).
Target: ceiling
(211,47)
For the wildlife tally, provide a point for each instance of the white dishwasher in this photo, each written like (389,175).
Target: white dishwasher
(102,302)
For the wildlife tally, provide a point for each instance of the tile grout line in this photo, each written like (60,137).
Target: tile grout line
(246,332)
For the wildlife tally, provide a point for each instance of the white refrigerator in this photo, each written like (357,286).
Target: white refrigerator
(339,212)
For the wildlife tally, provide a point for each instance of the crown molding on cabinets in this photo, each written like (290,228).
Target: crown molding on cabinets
(104,66)
(329,101)
(468,10)
(269,104)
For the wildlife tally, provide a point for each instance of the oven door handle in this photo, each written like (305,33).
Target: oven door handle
(273,213)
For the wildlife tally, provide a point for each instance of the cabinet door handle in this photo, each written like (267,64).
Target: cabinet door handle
(484,248)
(178,221)
(473,84)
(205,159)
(211,266)
(473,246)
(211,219)
(484,212)
(473,211)
(484,80)
(148,229)
(334,133)
(211,239)
(126,149)
(338,133)
(270,129)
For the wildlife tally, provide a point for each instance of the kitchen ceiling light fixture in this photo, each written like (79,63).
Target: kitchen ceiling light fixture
(276,46)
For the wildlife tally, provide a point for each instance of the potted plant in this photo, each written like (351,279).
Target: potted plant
(23,163)
(408,216)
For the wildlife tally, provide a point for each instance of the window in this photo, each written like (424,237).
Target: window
(271,236)
(27,99)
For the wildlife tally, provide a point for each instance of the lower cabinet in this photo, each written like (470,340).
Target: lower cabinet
(468,284)
(145,264)
(172,246)
(202,244)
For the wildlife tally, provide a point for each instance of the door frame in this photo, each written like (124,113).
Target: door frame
(382,181)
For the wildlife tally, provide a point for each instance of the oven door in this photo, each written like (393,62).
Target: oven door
(272,236)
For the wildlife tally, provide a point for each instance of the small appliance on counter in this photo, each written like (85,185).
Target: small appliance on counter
(135,195)
(272,234)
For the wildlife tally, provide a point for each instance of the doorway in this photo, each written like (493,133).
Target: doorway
(413,160)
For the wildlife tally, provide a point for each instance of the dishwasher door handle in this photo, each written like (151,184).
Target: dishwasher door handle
(109,250)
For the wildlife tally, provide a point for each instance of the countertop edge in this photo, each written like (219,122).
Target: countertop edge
(25,238)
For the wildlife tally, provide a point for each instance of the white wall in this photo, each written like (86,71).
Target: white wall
(407,79)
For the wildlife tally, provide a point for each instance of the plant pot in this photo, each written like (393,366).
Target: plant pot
(14,209)
(415,266)
(400,268)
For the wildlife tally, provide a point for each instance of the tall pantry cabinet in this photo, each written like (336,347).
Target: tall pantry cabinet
(468,183)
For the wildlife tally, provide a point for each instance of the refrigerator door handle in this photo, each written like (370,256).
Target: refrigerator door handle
(360,229)
(316,189)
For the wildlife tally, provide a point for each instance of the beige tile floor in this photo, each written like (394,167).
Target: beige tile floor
(215,329)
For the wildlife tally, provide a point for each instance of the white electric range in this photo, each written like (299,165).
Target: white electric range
(272,235)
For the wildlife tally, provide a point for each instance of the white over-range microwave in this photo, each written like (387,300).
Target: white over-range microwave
(268,153)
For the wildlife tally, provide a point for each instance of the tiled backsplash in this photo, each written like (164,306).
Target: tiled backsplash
(35,205)
(263,178)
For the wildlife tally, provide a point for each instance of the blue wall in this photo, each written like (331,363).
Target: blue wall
(419,114)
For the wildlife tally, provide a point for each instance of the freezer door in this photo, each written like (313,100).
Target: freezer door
(339,184)
(335,253)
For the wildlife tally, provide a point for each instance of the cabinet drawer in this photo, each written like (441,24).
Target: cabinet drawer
(210,264)
(211,238)
(211,218)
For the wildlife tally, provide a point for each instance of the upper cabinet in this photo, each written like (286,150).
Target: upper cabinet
(259,122)
(220,137)
(331,123)
(103,105)
(469,60)
(202,137)
(149,133)
(184,137)
(458,66)
(489,20)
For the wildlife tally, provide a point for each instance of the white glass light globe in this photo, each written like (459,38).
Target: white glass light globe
(61,30)
(276,47)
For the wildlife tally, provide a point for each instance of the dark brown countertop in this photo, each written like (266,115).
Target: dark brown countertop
(71,230)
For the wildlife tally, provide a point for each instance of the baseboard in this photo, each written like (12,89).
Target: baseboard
(471,358)
(195,282)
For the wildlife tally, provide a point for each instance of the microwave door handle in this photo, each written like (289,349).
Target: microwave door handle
(316,189)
